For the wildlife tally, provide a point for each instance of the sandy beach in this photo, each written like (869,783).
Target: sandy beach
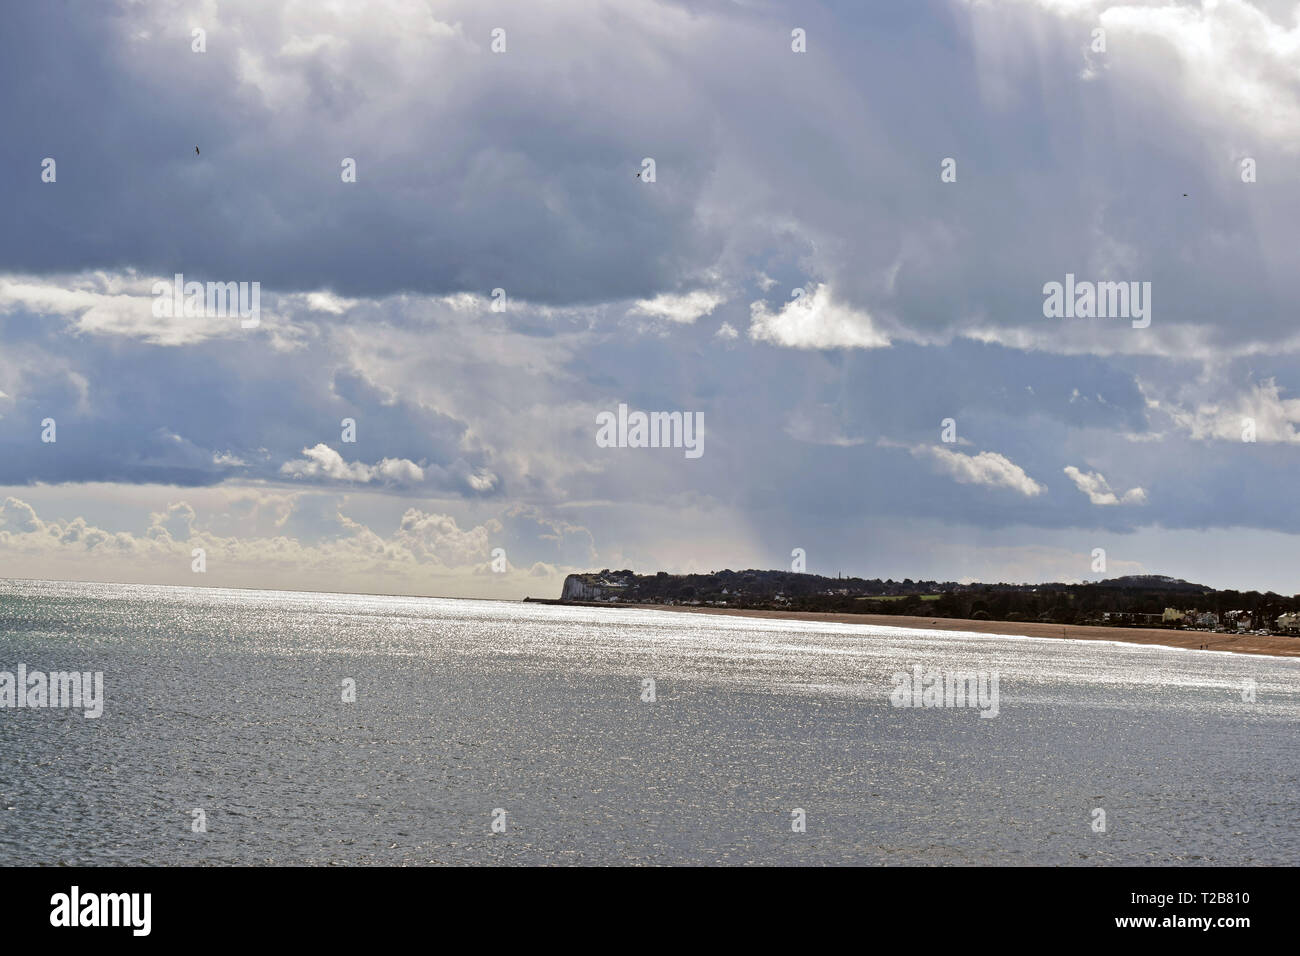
(1236,643)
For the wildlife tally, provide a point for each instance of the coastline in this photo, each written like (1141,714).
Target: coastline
(1274,646)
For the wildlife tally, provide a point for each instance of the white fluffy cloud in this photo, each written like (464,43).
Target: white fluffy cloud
(1260,411)
(19,516)
(321,461)
(121,304)
(438,537)
(987,468)
(424,544)
(1232,58)
(103,304)
(815,320)
(680,308)
(1094,485)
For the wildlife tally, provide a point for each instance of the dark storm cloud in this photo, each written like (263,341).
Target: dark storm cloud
(506,173)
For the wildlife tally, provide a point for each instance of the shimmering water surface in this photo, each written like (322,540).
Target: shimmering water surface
(231,702)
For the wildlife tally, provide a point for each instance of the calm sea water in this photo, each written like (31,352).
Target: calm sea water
(231,702)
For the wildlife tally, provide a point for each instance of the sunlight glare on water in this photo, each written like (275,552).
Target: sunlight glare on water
(229,701)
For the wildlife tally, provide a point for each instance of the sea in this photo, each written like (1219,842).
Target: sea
(276,728)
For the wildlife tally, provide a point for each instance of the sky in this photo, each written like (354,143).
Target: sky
(825,231)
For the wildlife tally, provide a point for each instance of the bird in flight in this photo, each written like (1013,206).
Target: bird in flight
(196,151)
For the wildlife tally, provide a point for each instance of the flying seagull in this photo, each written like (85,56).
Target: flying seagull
(196,151)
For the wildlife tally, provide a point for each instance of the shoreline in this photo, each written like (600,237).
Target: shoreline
(1273,646)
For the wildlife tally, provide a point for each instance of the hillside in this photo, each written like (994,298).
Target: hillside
(1130,600)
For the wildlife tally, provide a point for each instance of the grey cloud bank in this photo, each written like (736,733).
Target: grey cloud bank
(798,272)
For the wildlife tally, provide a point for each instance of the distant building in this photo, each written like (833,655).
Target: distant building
(1289,623)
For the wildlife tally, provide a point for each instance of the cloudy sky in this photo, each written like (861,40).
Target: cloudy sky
(800,271)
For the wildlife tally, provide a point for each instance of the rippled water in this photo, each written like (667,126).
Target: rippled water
(231,702)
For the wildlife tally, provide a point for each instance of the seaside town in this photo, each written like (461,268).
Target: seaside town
(1143,601)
